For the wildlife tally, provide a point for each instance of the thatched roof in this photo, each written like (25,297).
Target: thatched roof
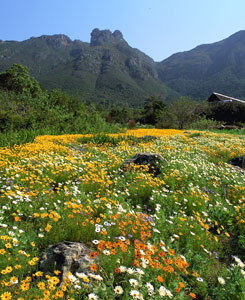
(216,97)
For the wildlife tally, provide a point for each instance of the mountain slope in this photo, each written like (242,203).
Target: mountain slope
(216,67)
(105,70)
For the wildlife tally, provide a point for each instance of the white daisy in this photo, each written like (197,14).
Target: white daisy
(162,291)
(135,294)
(133,282)
(118,290)
(92,296)
(221,280)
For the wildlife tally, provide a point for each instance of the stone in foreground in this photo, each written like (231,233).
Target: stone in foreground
(66,257)
(153,160)
(238,161)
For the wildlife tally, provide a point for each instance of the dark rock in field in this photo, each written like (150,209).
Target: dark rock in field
(229,127)
(148,138)
(144,139)
(66,257)
(238,161)
(77,147)
(153,160)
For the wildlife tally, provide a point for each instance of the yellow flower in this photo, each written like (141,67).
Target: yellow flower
(48,227)
(39,273)
(25,286)
(6,296)
(31,263)
(59,294)
(41,285)
(17,267)
(54,280)
(14,280)
(28,279)
(46,293)
(9,269)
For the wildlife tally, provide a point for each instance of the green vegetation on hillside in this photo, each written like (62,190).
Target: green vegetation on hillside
(26,110)
(217,67)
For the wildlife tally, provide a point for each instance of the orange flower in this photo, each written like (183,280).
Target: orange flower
(17,219)
(101,245)
(161,253)
(113,251)
(108,245)
(117,270)
(177,290)
(193,295)
(159,278)
(93,267)
(92,255)
(181,285)
(171,252)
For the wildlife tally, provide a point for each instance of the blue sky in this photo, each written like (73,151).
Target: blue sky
(159,28)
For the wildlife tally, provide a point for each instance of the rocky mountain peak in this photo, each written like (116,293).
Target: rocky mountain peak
(56,39)
(102,37)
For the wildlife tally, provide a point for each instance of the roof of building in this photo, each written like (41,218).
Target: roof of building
(216,97)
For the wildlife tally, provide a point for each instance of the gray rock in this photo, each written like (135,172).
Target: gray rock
(56,40)
(148,138)
(229,127)
(153,160)
(103,37)
(238,161)
(66,257)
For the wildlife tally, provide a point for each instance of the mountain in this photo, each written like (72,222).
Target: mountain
(108,70)
(105,70)
(218,67)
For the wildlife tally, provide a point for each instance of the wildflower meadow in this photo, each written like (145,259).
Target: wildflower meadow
(177,235)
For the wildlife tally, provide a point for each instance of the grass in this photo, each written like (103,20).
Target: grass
(179,235)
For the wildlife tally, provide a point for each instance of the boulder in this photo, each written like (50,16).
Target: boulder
(153,160)
(66,257)
(238,161)
(229,127)
(148,138)
(104,37)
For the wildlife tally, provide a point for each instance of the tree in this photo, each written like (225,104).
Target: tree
(18,80)
(184,110)
(153,107)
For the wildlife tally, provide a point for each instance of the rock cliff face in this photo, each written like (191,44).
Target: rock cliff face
(105,37)
(56,40)
(105,70)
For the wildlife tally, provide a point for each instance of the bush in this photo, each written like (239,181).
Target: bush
(131,124)
(204,123)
